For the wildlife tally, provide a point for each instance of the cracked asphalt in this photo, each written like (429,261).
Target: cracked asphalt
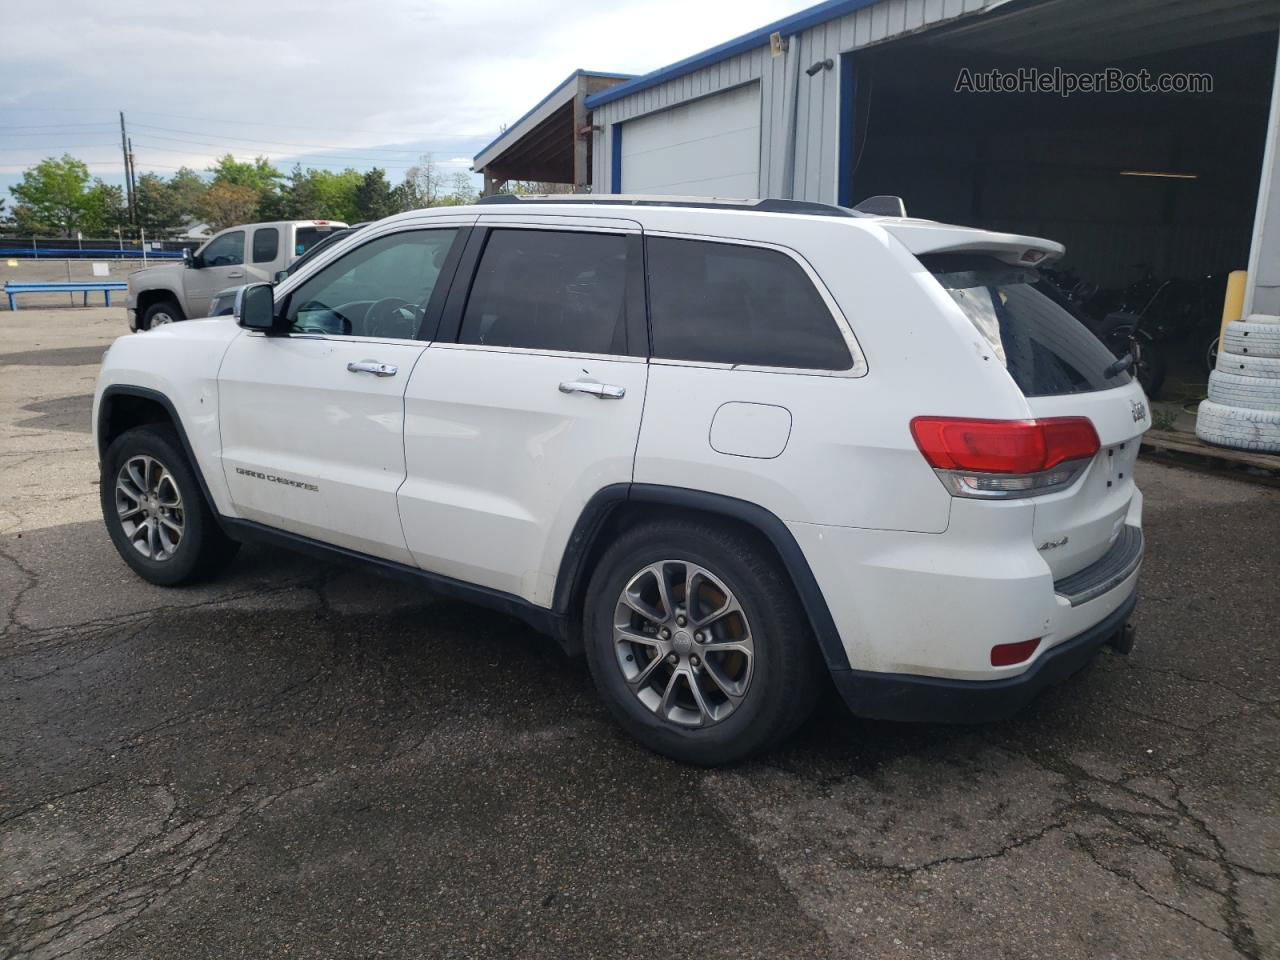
(300,760)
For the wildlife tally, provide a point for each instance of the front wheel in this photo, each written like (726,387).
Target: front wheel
(155,511)
(161,315)
(697,642)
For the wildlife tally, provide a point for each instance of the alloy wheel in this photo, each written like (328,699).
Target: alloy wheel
(149,507)
(683,643)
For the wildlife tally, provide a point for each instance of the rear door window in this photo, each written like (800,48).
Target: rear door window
(716,302)
(1046,350)
(266,244)
(550,290)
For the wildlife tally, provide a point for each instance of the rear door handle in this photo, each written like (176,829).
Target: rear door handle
(605,391)
(374,367)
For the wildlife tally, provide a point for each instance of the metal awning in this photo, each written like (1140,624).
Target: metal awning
(549,143)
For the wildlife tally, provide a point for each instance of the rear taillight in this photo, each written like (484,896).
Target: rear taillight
(1005,458)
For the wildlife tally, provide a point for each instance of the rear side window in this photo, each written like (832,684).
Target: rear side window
(266,244)
(549,290)
(725,303)
(1046,350)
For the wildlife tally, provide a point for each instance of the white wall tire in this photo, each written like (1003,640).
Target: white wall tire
(1239,427)
(1252,338)
(1254,393)
(1247,365)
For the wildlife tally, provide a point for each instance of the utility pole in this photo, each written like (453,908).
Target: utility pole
(128,179)
(133,186)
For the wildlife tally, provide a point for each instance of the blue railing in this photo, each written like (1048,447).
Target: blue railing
(63,253)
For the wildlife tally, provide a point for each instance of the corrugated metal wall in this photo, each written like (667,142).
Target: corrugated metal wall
(817,121)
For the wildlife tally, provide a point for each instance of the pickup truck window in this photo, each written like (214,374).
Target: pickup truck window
(305,238)
(224,251)
(266,244)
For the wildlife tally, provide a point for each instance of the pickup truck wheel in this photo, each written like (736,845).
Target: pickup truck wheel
(697,642)
(159,314)
(155,511)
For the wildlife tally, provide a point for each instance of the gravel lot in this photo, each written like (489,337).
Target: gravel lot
(303,761)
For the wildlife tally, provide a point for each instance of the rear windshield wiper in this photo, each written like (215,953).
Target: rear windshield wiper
(1120,366)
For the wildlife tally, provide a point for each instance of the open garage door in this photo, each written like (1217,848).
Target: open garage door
(1153,193)
(707,148)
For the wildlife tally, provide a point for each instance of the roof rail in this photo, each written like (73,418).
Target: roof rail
(769,205)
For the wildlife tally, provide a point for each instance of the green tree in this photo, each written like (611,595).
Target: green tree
(157,204)
(373,199)
(52,197)
(335,194)
(188,189)
(257,174)
(103,210)
(298,197)
(226,204)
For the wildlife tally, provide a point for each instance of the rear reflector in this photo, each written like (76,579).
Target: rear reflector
(1003,446)
(1007,654)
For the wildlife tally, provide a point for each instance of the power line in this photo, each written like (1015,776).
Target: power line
(402,161)
(280,143)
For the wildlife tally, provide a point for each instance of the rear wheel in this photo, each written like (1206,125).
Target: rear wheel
(697,642)
(161,314)
(155,511)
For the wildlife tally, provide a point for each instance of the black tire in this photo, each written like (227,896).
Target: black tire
(786,673)
(203,548)
(166,307)
(1116,332)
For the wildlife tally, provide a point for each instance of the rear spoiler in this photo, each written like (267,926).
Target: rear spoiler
(925,236)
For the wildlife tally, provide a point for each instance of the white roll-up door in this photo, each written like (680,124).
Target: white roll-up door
(707,148)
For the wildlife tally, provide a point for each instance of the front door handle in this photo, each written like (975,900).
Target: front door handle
(374,367)
(236,275)
(605,391)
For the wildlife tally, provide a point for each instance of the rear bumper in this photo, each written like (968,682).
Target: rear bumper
(897,696)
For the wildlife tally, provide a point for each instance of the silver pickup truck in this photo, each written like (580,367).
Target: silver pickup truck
(248,253)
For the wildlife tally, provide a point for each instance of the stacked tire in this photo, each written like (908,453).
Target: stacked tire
(1243,409)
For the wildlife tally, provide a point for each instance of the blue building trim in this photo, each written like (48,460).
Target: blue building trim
(846,153)
(812,17)
(615,179)
(560,86)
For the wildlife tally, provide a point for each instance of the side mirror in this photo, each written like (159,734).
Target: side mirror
(280,276)
(187,259)
(256,308)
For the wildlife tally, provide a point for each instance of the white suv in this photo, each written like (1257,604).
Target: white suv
(720,446)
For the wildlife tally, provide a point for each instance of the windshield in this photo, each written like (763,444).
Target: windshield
(1046,350)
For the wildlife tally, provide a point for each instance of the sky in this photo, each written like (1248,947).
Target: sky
(328,84)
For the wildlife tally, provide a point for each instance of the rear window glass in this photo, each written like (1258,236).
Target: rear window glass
(1046,350)
(725,303)
(307,237)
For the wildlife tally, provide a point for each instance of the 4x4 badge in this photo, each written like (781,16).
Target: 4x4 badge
(1139,409)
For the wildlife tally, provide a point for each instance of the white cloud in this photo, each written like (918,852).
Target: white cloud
(376,82)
